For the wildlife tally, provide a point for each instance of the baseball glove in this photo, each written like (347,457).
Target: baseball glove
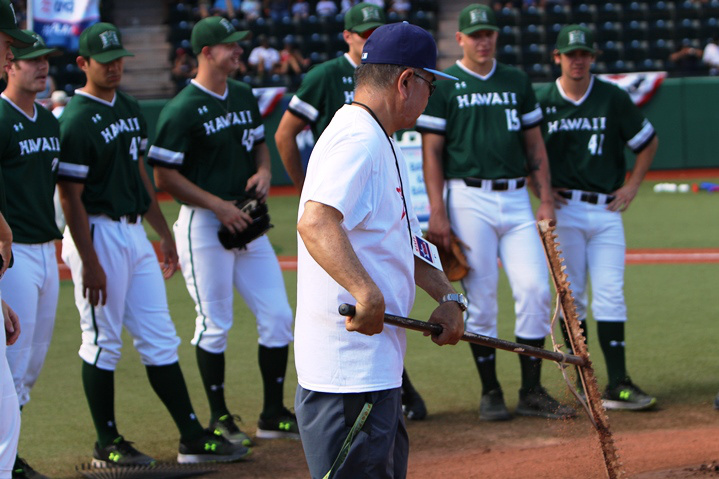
(259,226)
(453,260)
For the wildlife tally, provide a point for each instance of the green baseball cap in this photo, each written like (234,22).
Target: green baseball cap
(103,43)
(575,37)
(8,25)
(35,50)
(363,17)
(477,17)
(213,31)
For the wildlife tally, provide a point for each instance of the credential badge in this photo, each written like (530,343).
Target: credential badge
(576,37)
(478,16)
(109,39)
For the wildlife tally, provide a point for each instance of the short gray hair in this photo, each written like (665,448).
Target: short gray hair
(377,75)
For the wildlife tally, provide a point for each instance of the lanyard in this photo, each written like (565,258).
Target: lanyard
(396,164)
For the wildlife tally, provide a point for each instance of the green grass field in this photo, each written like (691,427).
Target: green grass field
(671,336)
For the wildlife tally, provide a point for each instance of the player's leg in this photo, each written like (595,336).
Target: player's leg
(147,318)
(606,253)
(9,412)
(101,339)
(472,214)
(523,260)
(265,295)
(207,268)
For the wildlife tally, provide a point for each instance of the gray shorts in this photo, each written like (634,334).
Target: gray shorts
(379,450)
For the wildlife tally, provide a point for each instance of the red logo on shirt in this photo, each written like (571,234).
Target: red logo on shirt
(404,211)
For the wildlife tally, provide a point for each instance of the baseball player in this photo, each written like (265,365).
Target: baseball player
(29,155)
(588,124)
(480,139)
(10,34)
(210,152)
(324,89)
(105,192)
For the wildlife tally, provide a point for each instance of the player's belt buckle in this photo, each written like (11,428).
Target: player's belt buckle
(587,197)
(131,218)
(495,185)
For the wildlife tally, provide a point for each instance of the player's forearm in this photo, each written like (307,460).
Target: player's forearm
(643,163)
(433,281)
(286,140)
(538,165)
(5,244)
(154,215)
(326,241)
(77,220)
(182,189)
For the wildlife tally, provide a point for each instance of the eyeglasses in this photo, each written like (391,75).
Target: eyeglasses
(365,34)
(431,85)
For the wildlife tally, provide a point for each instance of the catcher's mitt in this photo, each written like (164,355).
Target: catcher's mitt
(259,226)
(454,262)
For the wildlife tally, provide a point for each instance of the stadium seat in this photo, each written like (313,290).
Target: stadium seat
(306,26)
(661,49)
(509,54)
(557,14)
(635,11)
(709,27)
(531,16)
(281,28)
(426,5)
(335,44)
(258,27)
(636,51)
(610,51)
(610,31)
(635,30)
(539,72)
(509,34)
(710,9)
(620,66)
(552,34)
(178,12)
(584,13)
(533,34)
(425,19)
(609,12)
(650,65)
(688,28)
(661,10)
(317,42)
(661,29)
(507,16)
(331,25)
(688,9)
(178,32)
(599,67)
(535,53)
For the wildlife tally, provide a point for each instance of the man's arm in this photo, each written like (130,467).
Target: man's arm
(320,228)
(286,139)
(260,181)
(439,228)
(156,219)
(625,195)
(448,315)
(5,245)
(182,189)
(538,166)
(94,282)
(12,324)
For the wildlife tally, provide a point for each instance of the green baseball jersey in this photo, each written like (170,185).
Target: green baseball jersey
(585,139)
(210,139)
(482,119)
(324,90)
(29,155)
(101,144)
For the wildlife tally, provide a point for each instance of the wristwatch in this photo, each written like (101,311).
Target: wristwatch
(457,298)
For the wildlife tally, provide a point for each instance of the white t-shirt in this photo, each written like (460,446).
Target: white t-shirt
(352,169)
(269,56)
(711,55)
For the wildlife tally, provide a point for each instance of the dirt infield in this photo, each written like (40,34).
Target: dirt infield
(675,442)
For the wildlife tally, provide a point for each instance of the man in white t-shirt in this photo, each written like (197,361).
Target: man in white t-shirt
(356,232)
(711,55)
(264,58)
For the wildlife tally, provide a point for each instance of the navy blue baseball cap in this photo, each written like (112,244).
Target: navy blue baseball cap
(403,44)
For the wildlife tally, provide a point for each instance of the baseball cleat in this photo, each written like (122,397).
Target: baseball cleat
(537,402)
(211,447)
(119,453)
(716,402)
(229,430)
(413,405)
(627,396)
(492,407)
(283,426)
(22,470)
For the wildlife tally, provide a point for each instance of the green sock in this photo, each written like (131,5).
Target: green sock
(611,339)
(99,385)
(212,370)
(531,367)
(273,367)
(486,362)
(169,385)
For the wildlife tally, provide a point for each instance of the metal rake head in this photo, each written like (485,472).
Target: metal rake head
(154,471)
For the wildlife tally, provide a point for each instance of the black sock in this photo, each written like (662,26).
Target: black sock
(273,366)
(169,385)
(407,387)
(611,339)
(99,385)
(582,327)
(531,367)
(485,360)
(212,370)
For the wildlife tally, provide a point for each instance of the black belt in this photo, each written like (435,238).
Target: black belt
(497,185)
(592,198)
(131,218)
